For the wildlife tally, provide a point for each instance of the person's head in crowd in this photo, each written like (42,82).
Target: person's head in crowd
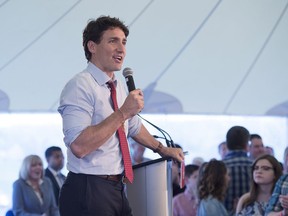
(54,158)
(213,180)
(222,149)
(265,172)
(191,176)
(269,166)
(269,150)
(285,160)
(198,161)
(237,138)
(31,168)
(256,147)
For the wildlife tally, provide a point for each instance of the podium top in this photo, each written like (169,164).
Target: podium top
(147,163)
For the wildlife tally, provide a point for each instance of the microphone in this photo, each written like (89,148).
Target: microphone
(128,74)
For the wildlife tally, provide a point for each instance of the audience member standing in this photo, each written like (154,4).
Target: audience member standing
(238,164)
(222,149)
(184,204)
(269,150)
(212,185)
(256,147)
(266,170)
(32,193)
(55,160)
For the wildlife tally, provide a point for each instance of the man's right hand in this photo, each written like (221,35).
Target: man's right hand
(133,104)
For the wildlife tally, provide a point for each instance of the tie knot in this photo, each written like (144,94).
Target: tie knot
(111,84)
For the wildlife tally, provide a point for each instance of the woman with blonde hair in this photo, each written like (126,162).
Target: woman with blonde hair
(266,170)
(32,192)
(212,185)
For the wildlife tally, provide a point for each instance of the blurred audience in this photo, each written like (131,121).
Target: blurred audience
(238,165)
(55,161)
(266,170)
(32,192)
(212,185)
(222,149)
(269,150)
(197,161)
(184,204)
(256,147)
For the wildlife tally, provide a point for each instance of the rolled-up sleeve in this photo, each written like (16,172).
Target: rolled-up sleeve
(76,108)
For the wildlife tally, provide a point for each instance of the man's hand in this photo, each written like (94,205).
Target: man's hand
(133,104)
(175,153)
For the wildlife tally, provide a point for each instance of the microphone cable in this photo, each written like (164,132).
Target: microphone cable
(169,142)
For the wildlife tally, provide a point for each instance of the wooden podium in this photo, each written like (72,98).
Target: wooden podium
(151,192)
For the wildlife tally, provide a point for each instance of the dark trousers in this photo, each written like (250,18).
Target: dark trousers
(89,195)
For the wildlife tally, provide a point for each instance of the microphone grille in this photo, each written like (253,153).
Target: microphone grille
(127,72)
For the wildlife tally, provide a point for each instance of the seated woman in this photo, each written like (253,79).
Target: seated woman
(212,184)
(266,170)
(33,193)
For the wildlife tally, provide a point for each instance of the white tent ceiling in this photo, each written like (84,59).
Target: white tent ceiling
(211,57)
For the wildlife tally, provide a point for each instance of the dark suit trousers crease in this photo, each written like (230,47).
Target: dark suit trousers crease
(89,195)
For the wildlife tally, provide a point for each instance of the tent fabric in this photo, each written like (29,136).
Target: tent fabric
(213,57)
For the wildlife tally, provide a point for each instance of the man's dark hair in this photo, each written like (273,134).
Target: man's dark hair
(237,138)
(255,136)
(49,151)
(95,29)
(190,169)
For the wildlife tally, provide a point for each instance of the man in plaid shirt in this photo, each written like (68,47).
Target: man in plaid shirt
(279,199)
(238,165)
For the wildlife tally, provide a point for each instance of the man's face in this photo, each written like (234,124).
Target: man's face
(109,54)
(256,148)
(191,182)
(56,160)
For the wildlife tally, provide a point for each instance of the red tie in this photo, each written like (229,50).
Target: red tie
(122,139)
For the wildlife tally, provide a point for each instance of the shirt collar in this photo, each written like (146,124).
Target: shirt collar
(236,153)
(100,77)
(54,172)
